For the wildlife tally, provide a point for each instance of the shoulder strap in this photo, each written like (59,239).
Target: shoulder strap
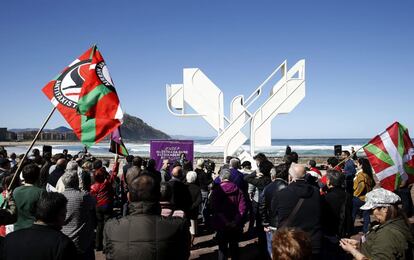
(293,213)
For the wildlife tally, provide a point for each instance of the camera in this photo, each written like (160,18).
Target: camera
(209,165)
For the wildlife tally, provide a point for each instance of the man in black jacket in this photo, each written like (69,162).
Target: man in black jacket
(204,179)
(152,171)
(181,197)
(308,216)
(43,240)
(267,211)
(145,234)
(336,215)
(57,172)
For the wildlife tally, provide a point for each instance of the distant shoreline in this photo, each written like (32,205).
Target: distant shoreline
(22,143)
(318,151)
(42,142)
(217,159)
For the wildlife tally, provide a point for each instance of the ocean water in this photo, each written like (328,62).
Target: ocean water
(304,147)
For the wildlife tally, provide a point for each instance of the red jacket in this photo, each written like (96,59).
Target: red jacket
(102,188)
(316,170)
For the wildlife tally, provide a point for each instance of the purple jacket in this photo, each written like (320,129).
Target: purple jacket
(237,178)
(228,206)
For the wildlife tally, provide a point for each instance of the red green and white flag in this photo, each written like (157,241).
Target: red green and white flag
(85,95)
(391,155)
(116,145)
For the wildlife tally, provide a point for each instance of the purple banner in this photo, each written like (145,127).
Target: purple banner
(171,150)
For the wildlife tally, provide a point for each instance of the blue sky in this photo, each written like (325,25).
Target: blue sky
(359,58)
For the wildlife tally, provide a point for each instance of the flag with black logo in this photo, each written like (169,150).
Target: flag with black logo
(85,95)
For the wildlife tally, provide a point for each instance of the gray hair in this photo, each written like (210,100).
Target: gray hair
(71,179)
(273,173)
(297,171)
(225,174)
(72,166)
(191,176)
(234,163)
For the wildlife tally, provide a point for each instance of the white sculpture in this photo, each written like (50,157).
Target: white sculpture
(206,99)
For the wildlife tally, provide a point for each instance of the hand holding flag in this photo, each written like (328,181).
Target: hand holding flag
(85,95)
(117,146)
(391,155)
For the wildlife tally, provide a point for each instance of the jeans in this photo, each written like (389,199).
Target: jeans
(269,237)
(356,204)
(203,208)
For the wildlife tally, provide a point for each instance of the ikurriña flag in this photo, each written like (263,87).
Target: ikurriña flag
(85,95)
(391,155)
(117,146)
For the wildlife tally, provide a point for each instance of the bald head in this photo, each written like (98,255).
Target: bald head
(61,162)
(297,171)
(177,172)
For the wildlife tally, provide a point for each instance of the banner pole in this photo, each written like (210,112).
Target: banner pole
(30,147)
(115,167)
(116,150)
(350,156)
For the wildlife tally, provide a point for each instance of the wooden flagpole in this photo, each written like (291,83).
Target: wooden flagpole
(350,156)
(116,152)
(30,147)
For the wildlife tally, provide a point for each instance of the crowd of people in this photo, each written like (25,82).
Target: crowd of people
(67,206)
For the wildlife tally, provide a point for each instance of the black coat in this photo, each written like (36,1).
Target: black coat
(333,222)
(260,183)
(55,175)
(203,179)
(181,197)
(195,200)
(38,242)
(267,210)
(44,174)
(265,167)
(308,217)
(144,234)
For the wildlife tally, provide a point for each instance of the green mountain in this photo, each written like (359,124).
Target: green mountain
(134,129)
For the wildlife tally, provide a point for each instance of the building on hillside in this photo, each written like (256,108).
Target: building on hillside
(3,134)
(26,135)
(11,136)
(44,136)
